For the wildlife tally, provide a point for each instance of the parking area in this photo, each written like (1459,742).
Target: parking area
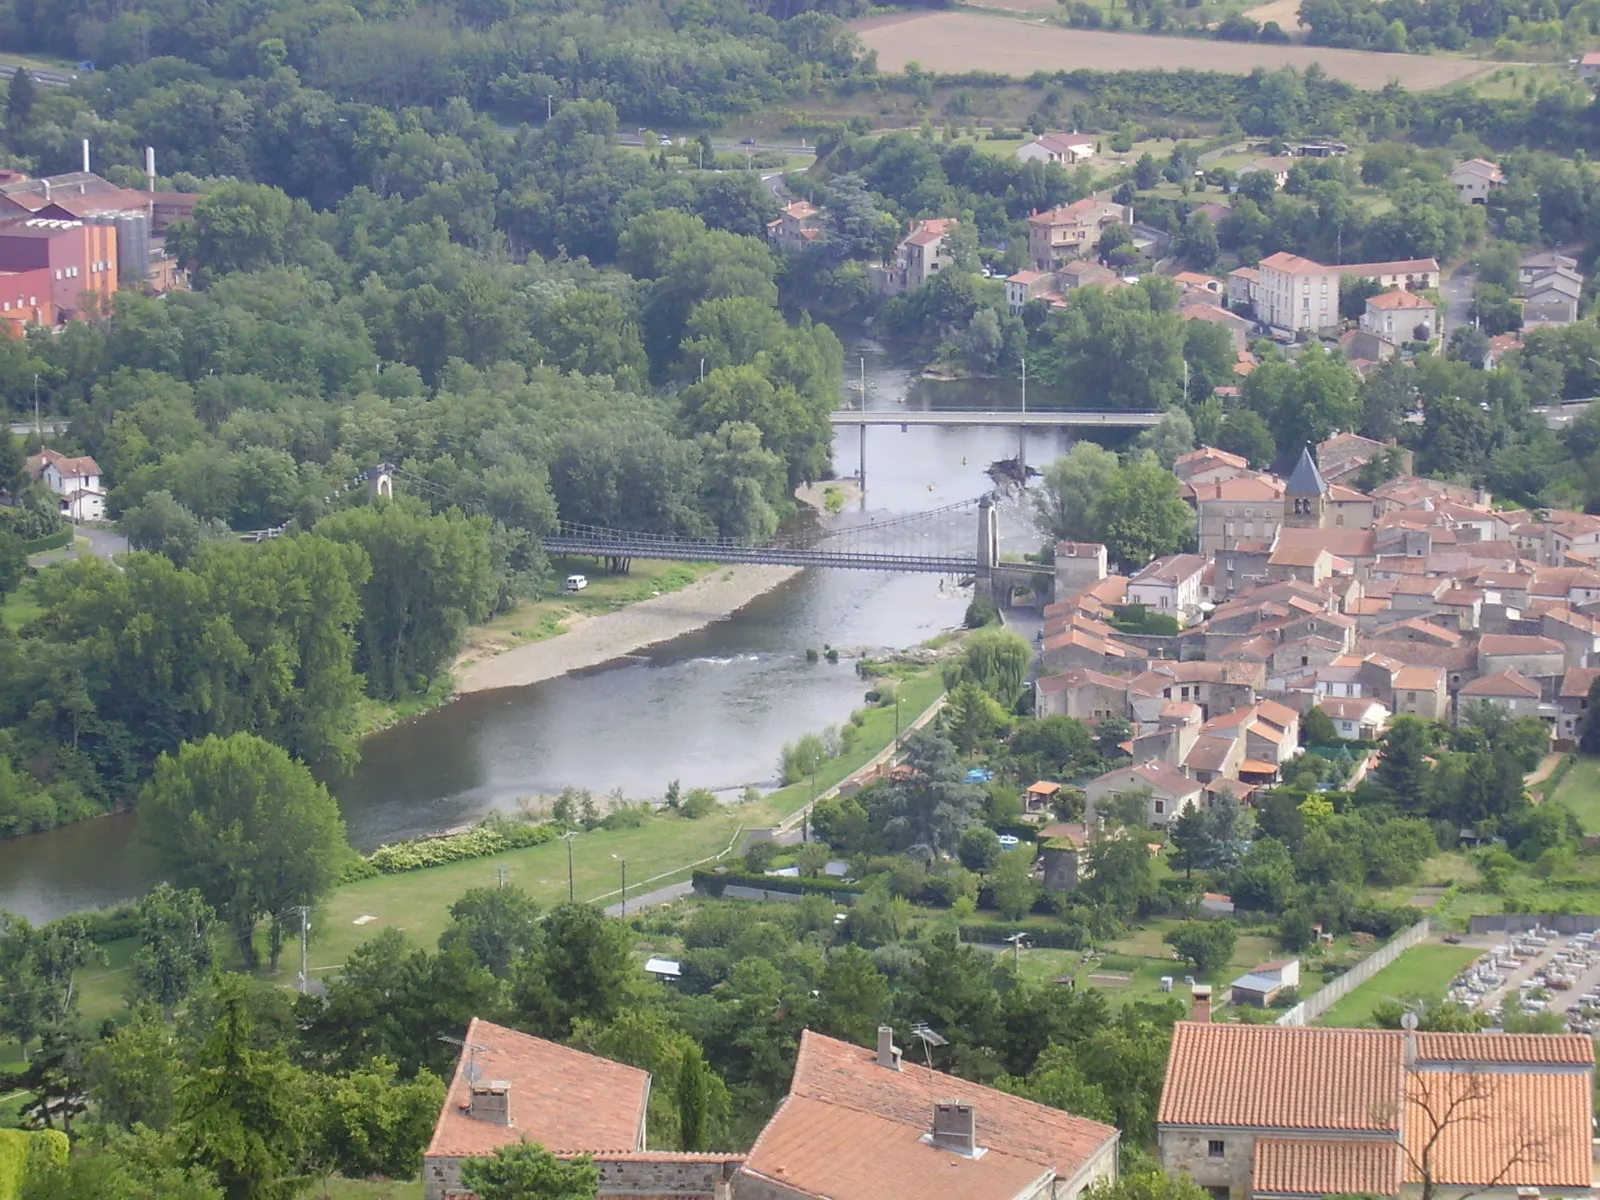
(1537,971)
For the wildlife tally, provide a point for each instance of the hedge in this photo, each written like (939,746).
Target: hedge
(1553,780)
(1054,936)
(21,1152)
(492,837)
(52,541)
(712,883)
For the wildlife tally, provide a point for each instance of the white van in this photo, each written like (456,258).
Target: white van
(576,583)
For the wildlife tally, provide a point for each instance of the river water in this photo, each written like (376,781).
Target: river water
(712,709)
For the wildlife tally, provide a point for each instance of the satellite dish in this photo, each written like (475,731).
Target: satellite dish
(1409,1022)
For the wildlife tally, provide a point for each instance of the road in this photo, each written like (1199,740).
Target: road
(1041,419)
(103,542)
(633,139)
(1458,290)
(655,899)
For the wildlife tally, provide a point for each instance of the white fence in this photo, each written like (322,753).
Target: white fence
(1314,1006)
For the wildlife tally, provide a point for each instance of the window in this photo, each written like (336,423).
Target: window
(1412,697)
(58,272)
(1216,1149)
(1161,806)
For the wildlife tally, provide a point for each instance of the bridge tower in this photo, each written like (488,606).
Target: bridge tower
(380,481)
(988,547)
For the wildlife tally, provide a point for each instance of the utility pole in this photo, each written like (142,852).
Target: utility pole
(38,429)
(571,890)
(549,107)
(1022,430)
(305,929)
(624,887)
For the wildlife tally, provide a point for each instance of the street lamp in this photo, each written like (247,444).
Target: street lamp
(624,863)
(571,890)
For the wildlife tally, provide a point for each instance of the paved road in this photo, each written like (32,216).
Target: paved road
(103,543)
(1458,290)
(655,899)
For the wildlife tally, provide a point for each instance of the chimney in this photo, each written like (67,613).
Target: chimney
(150,167)
(955,1128)
(85,156)
(888,1052)
(46,183)
(1200,1009)
(490,1101)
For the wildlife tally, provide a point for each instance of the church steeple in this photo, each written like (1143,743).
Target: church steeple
(1305,494)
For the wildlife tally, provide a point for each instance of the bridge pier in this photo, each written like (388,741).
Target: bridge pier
(861,459)
(988,549)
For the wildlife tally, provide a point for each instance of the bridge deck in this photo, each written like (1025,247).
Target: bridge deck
(1041,419)
(781,556)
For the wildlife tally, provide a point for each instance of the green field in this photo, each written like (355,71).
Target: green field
(1424,970)
(20,607)
(1579,790)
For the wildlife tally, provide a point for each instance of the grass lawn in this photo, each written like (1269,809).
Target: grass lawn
(659,852)
(1579,790)
(1424,970)
(368,1189)
(20,607)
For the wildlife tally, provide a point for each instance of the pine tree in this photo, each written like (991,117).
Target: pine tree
(19,100)
(694,1100)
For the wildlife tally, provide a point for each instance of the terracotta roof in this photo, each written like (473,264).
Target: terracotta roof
(1323,1167)
(1576,682)
(1516,643)
(1347,543)
(1257,1076)
(567,1101)
(1508,1128)
(1291,264)
(1209,754)
(1451,658)
(1571,1049)
(1399,298)
(1503,683)
(1157,776)
(1239,489)
(1437,634)
(1409,266)
(70,468)
(1172,569)
(827,1150)
(1417,679)
(852,1130)
(1348,708)
(1297,556)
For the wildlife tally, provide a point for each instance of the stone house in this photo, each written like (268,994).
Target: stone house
(1081,693)
(1421,692)
(1535,658)
(1537,262)
(1572,701)
(1245,508)
(1267,1112)
(1170,790)
(1078,566)
(1072,231)
(1517,694)
(920,255)
(509,1086)
(860,1124)
(796,228)
(1578,633)
(1207,464)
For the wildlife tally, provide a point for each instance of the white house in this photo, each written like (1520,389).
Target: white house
(1067,149)
(75,480)
(1475,179)
(1169,585)
(1399,316)
(1355,717)
(1169,791)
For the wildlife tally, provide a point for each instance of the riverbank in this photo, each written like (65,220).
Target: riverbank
(592,641)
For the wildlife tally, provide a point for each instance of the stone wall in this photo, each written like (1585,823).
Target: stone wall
(701,1177)
(1318,1003)
(1189,1151)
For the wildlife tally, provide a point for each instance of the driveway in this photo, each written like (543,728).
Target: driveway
(99,540)
(1458,290)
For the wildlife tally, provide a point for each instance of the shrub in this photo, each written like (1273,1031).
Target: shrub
(982,611)
(699,803)
(494,836)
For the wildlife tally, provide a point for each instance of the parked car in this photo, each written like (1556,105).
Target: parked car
(576,583)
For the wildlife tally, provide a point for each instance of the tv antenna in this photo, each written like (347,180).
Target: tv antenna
(473,1072)
(929,1038)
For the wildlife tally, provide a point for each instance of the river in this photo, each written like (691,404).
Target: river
(712,709)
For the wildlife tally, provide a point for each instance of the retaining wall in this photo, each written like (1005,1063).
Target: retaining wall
(1314,1006)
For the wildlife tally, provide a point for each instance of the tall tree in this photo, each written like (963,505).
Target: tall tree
(933,804)
(175,950)
(242,1109)
(246,827)
(694,1099)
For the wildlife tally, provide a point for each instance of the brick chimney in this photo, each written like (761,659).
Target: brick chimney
(888,1052)
(490,1101)
(1200,1009)
(955,1128)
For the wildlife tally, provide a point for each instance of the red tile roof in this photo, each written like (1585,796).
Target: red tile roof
(1504,683)
(1324,1167)
(567,1101)
(1516,643)
(852,1130)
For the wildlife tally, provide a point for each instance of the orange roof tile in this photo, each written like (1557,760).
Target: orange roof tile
(1570,1049)
(1502,1128)
(1503,683)
(1324,1167)
(1258,1075)
(1516,643)
(567,1101)
(836,1155)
